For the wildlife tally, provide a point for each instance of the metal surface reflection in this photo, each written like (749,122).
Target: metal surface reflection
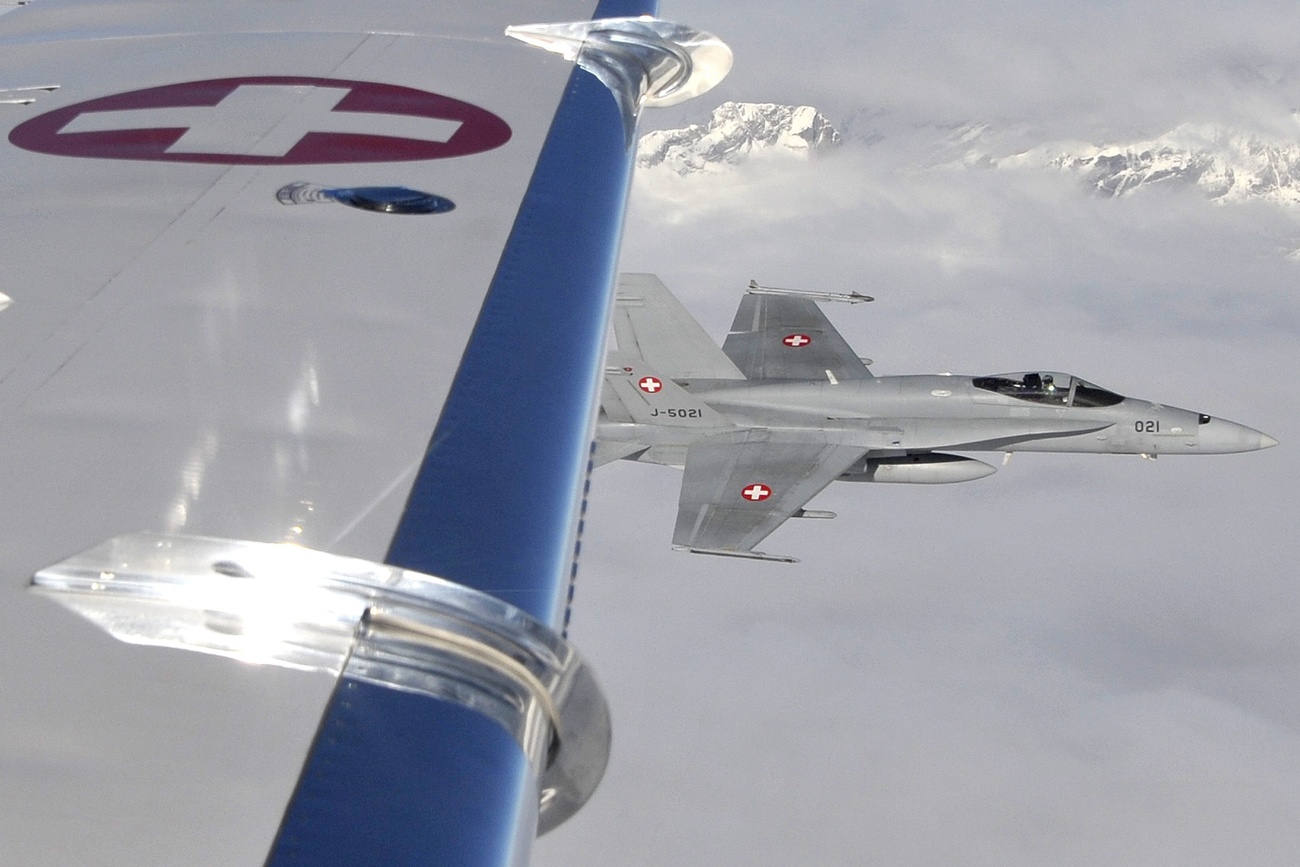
(645,62)
(284,605)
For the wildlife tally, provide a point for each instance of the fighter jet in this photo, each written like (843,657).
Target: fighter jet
(785,407)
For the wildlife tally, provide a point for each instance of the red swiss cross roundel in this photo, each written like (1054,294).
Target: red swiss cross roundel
(796,340)
(266,120)
(756,492)
(650,385)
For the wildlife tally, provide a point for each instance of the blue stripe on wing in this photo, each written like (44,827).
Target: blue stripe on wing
(397,778)
(492,506)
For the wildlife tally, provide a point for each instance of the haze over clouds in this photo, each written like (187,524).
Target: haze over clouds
(1080,660)
(1075,69)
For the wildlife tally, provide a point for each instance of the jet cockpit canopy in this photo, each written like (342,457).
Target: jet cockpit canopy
(1061,389)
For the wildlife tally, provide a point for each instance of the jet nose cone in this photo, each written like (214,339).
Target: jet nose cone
(1219,436)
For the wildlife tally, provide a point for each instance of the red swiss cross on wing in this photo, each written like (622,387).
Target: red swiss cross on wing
(266,120)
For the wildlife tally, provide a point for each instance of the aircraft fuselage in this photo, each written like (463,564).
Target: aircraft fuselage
(786,406)
(898,416)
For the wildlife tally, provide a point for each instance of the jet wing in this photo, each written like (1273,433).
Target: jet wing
(330,274)
(783,337)
(739,487)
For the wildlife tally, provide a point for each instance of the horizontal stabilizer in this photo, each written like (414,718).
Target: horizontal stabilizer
(608,452)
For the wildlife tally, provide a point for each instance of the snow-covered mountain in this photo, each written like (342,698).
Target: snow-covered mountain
(734,132)
(1225,165)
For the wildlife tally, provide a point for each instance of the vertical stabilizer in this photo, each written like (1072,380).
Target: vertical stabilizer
(652,325)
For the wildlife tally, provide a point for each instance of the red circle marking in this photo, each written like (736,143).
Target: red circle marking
(796,340)
(361,104)
(756,492)
(650,385)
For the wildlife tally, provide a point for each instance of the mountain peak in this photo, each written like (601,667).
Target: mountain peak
(1224,164)
(734,132)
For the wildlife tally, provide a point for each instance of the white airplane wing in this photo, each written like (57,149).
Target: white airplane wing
(329,274)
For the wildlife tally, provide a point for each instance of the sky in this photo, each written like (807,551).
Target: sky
(1078,660)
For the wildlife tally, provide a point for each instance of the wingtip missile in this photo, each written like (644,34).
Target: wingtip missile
(730,552)
(853,297)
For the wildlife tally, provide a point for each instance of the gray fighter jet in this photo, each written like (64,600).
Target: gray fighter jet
(785,407)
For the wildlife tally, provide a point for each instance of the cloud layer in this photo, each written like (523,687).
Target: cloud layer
(1081,660)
